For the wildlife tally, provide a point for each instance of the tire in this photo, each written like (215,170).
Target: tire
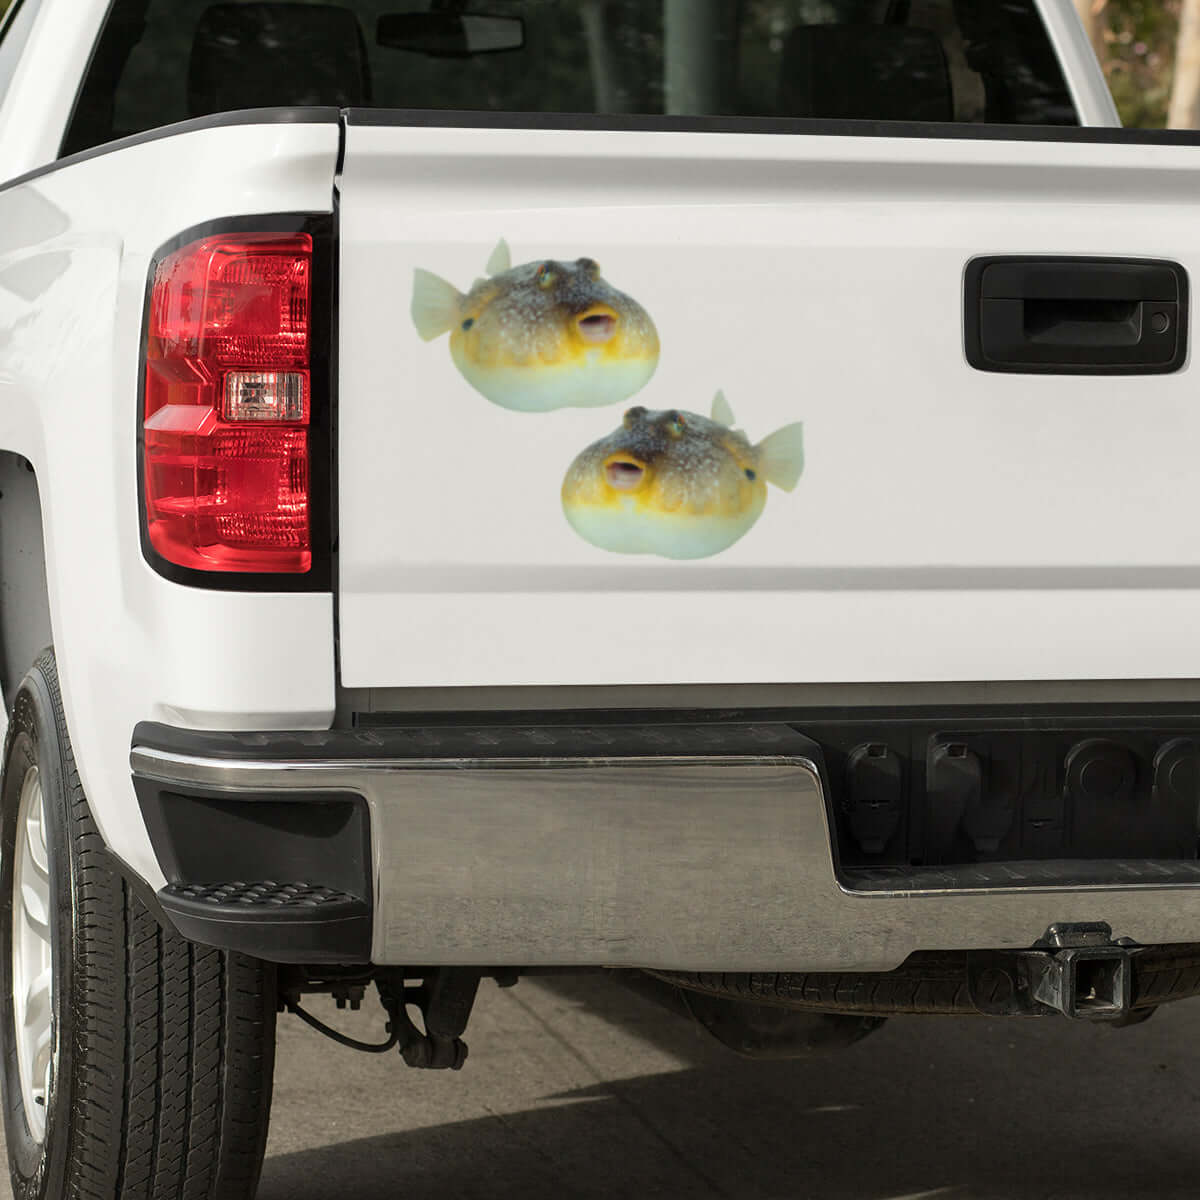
(161,1051)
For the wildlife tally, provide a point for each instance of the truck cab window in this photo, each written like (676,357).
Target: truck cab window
(161,61)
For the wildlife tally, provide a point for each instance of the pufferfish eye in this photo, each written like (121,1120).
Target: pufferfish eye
(633,416)
(545,276)
(675,424)
(590,266)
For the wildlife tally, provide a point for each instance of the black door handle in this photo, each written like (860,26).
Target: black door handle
(1076,316)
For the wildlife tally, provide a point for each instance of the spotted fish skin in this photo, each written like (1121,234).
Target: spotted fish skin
(676,484)
(543,335)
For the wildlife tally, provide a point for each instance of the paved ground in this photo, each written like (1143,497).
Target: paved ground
(580,1089)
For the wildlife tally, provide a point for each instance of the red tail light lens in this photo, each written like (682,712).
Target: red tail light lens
(227,405)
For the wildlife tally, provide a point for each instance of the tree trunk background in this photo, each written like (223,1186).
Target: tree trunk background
(1091,13)
(1185,91)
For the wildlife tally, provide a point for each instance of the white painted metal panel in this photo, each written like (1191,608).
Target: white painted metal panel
(950,524)
(75,251)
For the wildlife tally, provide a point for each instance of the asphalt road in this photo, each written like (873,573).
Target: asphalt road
(578,1088)
(581,1089)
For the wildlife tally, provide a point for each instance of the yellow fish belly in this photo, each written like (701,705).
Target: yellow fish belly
(585,381)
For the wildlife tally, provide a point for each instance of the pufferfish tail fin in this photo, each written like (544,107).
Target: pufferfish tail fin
(434,304)
(721,411)
(501,259)
(781,457)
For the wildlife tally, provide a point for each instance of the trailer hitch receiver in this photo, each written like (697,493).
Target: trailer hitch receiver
(1087,976)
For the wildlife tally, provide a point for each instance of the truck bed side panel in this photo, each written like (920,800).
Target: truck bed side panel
(75,249)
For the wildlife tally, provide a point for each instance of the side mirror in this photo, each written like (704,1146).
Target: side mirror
(450,35)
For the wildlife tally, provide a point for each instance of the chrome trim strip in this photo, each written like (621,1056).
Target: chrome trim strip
(358,774)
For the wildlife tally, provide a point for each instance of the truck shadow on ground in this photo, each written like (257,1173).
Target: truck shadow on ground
(962,1109)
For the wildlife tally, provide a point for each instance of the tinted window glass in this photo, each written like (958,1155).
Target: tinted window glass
(14,33)
(942,60)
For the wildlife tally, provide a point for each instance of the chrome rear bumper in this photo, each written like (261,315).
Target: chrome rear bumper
(649,857)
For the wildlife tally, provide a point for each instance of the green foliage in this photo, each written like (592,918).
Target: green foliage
(1140,39)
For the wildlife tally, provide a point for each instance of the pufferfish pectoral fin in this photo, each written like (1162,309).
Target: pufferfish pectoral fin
(501,259)
(781,457)
(721,412)
(434,304)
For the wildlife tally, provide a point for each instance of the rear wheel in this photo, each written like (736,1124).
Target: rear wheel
(135,1064)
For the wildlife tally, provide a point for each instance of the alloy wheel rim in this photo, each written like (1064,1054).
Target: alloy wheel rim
(33,964)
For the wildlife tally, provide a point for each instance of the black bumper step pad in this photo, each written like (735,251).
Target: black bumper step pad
(287,922)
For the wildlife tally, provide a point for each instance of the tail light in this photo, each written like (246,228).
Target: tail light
(228,403)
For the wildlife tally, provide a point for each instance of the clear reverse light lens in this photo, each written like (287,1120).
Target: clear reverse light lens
(265,396)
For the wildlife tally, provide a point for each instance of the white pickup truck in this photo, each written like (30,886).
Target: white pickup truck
(389,594)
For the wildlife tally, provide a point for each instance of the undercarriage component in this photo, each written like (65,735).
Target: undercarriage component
(347,987)
(341,1038)
(1080,977)
(444,997)
(753,1029)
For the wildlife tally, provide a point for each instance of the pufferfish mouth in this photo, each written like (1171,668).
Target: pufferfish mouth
(623,474)
(597,325)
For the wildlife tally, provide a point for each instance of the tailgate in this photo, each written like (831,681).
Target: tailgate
(503,521)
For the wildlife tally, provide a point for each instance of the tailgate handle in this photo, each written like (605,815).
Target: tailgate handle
(1076,316)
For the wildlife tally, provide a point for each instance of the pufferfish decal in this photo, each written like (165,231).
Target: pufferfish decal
(677,484)
(541,336)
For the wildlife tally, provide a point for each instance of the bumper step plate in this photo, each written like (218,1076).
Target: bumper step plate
(272,920)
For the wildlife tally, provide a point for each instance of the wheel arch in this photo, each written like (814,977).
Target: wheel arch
(24,596)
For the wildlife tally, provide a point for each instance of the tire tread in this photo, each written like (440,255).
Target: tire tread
(173,1042)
